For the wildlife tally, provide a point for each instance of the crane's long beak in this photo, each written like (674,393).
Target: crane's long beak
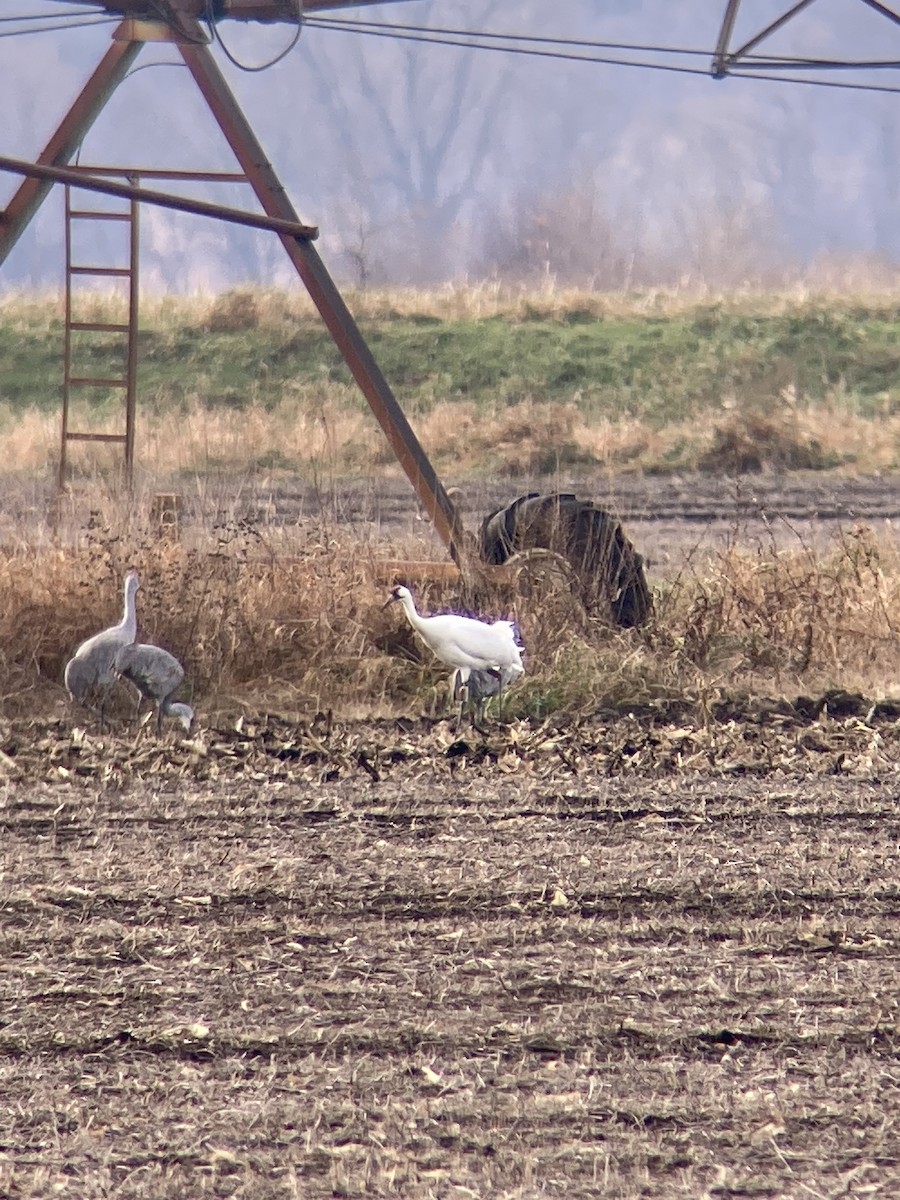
(390,600)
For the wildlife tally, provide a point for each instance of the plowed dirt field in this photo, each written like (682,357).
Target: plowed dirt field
(666,517)
(627,959)
(638,956)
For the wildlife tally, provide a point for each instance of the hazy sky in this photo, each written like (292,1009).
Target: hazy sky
(424,162)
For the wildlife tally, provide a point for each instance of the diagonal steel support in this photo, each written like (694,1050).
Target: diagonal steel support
(325,295)
(884,10)
(719,68)
(722,60)
(65,141)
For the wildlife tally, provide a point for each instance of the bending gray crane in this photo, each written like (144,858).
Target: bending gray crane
(90,675)
(479,688)
(157,675)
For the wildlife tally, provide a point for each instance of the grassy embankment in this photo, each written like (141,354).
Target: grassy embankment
(493,385)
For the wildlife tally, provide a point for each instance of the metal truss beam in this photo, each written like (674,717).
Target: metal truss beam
(110,72)
(81,178)
(239,10)
(191,41)
(724,60)
(325,295)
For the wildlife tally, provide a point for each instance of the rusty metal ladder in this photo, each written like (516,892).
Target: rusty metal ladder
(73,380)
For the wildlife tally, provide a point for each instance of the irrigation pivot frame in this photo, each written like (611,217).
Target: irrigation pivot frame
(725,59)
(177,22)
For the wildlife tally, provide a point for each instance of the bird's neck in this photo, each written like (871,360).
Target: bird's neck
(409,607)
(128,624)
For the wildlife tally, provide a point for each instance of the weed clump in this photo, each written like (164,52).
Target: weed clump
(234,312)
(756,441)
(795,614)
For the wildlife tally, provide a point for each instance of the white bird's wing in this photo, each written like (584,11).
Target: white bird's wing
(483,646)
(465,642)
(511,672)
(508,631)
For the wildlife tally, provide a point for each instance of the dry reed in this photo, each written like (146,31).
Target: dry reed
(327,431)
(291,622)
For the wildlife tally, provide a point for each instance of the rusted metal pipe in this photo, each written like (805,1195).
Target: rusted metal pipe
(110,72)
(241,10)
(126,191)
(325,295)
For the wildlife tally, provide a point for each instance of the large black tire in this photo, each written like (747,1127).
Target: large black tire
(609,571)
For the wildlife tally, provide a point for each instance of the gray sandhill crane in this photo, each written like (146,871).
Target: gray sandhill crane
(89,675)
(466,644)
(480,687)
(157,675)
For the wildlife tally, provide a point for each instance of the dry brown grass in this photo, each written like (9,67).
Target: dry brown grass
(324,425)
(324,431)
(311,430)
(790,615)
(253,307)
(290,620)
(239,621)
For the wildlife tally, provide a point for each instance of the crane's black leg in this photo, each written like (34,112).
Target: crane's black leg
(460,688)
(463,696)
(498,675)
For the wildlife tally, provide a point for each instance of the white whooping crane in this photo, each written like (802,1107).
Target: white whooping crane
(466,644)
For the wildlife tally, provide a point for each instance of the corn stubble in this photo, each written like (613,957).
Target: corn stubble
(447,984)
(639,940)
